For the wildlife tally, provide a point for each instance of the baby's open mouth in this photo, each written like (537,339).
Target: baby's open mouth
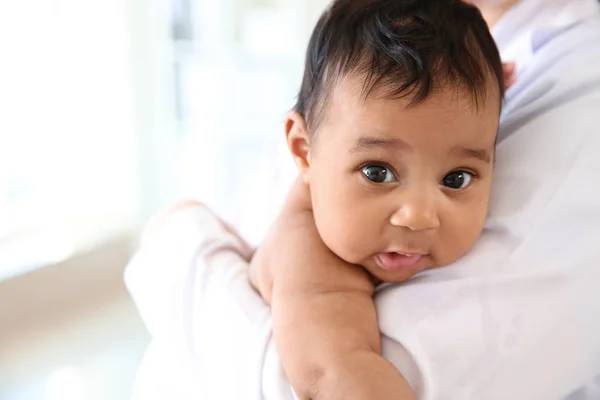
(398,261)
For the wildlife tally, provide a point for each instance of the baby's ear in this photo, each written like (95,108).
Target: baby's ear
(298,142)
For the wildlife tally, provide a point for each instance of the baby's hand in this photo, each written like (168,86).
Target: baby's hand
(260,275)
(287,236)
(510,74)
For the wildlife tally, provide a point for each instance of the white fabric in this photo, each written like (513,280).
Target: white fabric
(530,23)
(518,318)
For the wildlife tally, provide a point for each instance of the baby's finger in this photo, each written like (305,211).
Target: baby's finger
(510,74)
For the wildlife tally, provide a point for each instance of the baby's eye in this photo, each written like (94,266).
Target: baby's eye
(378,173)
(458,180)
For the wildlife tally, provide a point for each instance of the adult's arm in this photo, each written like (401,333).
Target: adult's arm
(211,332)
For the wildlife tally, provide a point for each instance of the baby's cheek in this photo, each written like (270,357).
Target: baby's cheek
(341,238)
(353,243)
(460,239)
(345,226)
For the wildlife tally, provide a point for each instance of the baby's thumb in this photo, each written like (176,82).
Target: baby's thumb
(510,74)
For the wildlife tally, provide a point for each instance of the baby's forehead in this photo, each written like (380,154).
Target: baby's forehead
(446,119)
(351,96)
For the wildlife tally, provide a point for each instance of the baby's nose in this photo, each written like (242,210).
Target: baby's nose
(417,213)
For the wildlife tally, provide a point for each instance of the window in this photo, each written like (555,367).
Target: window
(67,129)
(112,108)
(239,69)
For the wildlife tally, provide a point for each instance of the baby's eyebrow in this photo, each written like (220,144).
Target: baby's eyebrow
(480,154)
(367,143)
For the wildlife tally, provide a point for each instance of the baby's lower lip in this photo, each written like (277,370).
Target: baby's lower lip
(398,261)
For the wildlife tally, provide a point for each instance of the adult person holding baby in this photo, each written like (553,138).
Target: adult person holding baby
(515,318)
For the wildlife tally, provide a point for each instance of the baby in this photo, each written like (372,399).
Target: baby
(393,135)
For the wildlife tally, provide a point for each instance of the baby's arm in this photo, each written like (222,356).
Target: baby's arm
(324,318)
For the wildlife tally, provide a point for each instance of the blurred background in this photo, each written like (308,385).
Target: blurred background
(109,110)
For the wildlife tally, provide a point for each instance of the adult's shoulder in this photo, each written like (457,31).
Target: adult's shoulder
(564,68)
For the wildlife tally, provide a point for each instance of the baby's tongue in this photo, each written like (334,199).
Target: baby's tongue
(398,262)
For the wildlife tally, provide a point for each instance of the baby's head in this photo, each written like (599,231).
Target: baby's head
(394,131)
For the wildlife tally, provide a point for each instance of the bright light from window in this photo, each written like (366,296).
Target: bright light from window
(66,384)
(67,142)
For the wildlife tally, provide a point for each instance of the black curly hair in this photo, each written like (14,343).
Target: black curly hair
(403,47)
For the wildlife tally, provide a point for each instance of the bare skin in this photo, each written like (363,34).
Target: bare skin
(325,324)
